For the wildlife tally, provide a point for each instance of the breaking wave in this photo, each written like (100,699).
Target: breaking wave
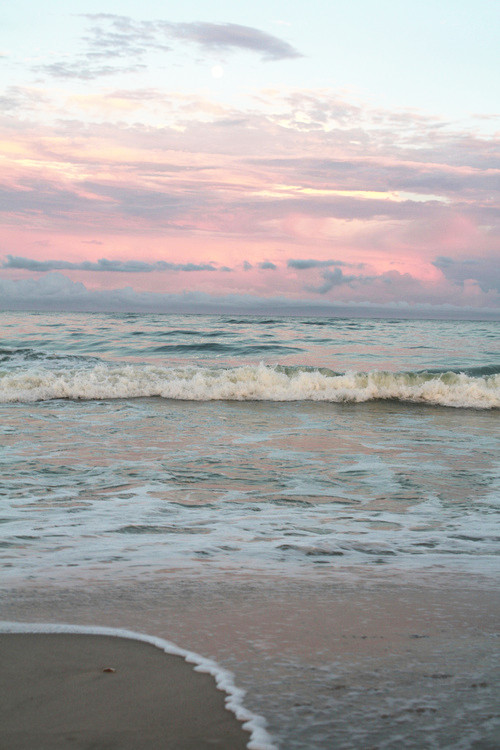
(479,390)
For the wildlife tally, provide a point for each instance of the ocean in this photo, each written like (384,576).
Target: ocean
(189,476)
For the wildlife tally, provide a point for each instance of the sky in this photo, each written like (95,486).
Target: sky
(323,155)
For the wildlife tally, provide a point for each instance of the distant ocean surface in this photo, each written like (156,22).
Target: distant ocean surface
(205,444)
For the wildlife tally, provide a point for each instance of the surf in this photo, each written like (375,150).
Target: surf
(262,382)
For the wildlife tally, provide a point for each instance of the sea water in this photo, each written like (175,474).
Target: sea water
(140,450)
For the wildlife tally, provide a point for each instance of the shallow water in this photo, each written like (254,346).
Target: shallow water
(203,489)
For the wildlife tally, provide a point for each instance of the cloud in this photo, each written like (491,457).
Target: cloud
(381,174)
(196,169)
(85,71)
(210,181)
(55,292)
(53,286)
(332,279)
(267,266)
(305,264)
(40,196)
(232,36)
(25,98)
(113,40)
(197,204)
(109,204)
(484,271)
(395,285)
(103,264)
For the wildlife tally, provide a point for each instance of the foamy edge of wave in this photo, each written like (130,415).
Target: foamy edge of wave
(224,680)
(249,383)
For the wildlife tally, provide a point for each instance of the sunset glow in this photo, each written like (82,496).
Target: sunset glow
(230,142)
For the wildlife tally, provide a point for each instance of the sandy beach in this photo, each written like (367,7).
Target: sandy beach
(328,666)
(55,694)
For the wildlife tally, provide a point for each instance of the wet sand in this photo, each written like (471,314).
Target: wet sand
(328,664)
(54,694)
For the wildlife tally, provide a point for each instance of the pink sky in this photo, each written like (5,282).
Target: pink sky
(301,193)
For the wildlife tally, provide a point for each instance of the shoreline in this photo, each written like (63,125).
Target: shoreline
(326,665)
(69,686)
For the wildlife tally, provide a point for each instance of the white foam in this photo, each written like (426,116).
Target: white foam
(249,383)
(253,723)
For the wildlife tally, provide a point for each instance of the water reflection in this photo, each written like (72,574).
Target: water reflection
(276,487)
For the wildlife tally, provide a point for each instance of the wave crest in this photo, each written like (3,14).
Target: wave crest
(250,383)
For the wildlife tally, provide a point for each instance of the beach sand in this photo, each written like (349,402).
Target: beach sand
(327,664)
(54,694)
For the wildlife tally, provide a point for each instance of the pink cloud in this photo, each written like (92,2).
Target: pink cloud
(221,186)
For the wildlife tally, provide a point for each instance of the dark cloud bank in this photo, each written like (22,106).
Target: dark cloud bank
(486,271)
(55,292)
(103,264)
(122,266)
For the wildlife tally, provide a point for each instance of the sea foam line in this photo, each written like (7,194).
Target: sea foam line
(224,680)
(249,383)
